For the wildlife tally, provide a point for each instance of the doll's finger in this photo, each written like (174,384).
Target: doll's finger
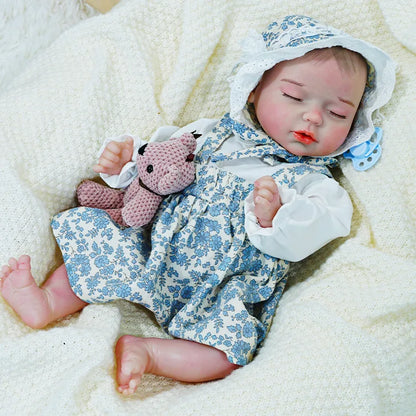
(127,152)
(267,183)
(129,143)
(264,213)
(262,207)
(99,168)
(109,164)
(268,189)
(110,155)
(264,181)
(114,148)
(264,193)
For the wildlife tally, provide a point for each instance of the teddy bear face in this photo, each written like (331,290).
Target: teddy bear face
(167,167)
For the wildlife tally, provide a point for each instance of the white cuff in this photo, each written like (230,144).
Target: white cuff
(304,223)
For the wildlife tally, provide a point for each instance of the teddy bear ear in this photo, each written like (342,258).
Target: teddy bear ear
(189,140)
(142,149)
(195,134)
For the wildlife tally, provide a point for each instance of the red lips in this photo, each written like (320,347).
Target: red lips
(304,136)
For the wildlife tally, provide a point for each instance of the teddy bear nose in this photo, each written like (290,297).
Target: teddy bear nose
(149,168)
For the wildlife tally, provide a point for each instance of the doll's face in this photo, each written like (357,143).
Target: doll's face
(307,105)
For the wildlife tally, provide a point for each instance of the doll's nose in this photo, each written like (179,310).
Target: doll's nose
(313,115)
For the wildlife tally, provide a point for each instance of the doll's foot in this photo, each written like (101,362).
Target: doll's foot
(133,357)
(20,291)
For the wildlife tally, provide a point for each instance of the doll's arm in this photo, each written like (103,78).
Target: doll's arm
(314,212)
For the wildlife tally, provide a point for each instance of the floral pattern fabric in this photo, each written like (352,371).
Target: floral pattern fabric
(195,267)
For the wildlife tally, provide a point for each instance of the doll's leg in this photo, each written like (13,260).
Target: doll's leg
(37,306)
(179,359)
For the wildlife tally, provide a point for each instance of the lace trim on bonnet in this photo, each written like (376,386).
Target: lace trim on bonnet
(291,38)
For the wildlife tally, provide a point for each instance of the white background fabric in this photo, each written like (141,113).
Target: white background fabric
(343,339)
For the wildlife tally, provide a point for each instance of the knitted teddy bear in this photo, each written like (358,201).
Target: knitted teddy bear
(163,168)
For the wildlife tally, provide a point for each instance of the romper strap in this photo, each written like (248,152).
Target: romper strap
(263,146)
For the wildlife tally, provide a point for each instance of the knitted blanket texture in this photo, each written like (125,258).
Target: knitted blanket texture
(343,340)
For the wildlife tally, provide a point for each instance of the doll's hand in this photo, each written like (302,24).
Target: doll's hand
(266,200)
(114,157)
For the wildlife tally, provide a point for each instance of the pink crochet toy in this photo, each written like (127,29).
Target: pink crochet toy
(163,168)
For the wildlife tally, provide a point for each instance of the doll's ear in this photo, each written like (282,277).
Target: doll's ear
(142,149)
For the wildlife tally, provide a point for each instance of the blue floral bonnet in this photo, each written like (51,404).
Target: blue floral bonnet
(291,38)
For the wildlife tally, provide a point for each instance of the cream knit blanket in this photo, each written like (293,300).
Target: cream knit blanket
(343,341)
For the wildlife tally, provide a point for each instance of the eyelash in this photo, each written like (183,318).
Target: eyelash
(338,115)
(300,100)
(290,96)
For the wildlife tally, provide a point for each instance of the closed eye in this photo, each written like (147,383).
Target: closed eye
(338,115)
(291,97)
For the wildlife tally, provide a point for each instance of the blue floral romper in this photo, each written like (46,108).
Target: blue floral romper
(195,267)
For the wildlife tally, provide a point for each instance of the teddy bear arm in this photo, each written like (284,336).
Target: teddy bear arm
(141,209)
(94,195)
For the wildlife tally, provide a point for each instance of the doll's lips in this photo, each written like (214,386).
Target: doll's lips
(304,136)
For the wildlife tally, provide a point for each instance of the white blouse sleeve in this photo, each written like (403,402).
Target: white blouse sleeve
(129,170)
(313,213)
